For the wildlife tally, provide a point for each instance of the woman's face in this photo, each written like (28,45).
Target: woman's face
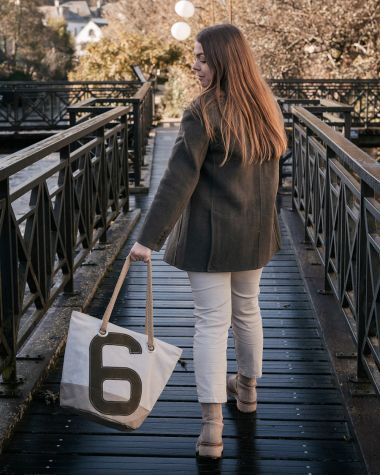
(200,67)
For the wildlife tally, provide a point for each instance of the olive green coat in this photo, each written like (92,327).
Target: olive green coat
(220,219)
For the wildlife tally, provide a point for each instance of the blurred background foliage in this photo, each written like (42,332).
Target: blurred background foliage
(290,38)
(111,57)
(30,49)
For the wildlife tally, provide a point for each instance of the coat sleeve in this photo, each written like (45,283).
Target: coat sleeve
(178,182)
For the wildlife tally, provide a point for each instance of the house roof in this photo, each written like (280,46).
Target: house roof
(78,8)
(75,11)
(49,12)
(100,21)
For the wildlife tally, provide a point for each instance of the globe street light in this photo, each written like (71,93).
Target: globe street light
(181,30)
(184,8)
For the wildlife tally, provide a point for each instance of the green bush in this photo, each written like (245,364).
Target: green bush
(110,58)
(180,89)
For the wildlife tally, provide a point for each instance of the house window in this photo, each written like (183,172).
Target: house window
(91,33)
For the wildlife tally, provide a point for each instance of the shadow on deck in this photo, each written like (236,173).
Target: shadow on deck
(301,425)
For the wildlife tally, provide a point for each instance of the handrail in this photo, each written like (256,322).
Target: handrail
(33,84)
(29,155)
(323,81)
(142,112)
(360,162)
(361,94)
(70,207)
(141,93)
(324,108)
(335,189)
(43,105)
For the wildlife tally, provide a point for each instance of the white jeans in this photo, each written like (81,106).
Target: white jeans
(222,298)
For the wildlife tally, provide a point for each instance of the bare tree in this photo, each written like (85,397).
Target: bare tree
(291,38)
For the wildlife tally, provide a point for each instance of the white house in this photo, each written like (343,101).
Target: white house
(83,22)
(90,33)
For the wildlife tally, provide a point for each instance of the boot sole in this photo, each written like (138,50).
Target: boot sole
(209,451)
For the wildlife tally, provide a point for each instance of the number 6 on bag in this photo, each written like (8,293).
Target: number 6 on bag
(111,374)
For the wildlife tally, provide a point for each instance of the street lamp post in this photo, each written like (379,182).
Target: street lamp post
(230,11)
(17,31)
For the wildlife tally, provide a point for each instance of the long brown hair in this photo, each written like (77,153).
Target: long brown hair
(248,110)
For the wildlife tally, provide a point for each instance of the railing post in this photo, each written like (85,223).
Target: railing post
(347,125)
(9,284)
(342,248)
(72,118)
(294,159)
(124,121)
(327,220)
(365,192)
(152,104)
(136,141)
(68,222)
(17,102)
(307,184)
(103,185)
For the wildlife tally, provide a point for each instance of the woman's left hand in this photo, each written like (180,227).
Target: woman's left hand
(140,253)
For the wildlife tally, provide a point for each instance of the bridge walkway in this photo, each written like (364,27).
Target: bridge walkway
(301,425)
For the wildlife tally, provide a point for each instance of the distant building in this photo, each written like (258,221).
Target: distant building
(91,32)
(83,22)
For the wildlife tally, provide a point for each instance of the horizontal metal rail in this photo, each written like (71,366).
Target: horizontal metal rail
(44,105)
(362,94)
(336,190)
(50,222)
(333,113)
(140,120)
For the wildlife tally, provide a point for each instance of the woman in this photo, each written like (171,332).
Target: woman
(217,202)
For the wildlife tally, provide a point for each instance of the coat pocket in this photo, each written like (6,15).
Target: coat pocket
(235,242)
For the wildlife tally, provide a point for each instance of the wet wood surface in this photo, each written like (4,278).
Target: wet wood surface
(300,427)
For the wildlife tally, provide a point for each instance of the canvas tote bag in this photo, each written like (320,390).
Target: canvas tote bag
(111,374)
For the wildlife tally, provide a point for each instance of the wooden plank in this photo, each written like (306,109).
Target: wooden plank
(272,410)
(174,282)
(125,311)
(167,298)
(132,444)
(115,465)
(187,379)
(268,332)
(270,367)
(60,423)
(269,321)
(269,343)
(140,290)
(188,329)
(131,304)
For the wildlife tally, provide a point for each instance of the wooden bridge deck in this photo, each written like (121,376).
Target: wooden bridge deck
(301,425)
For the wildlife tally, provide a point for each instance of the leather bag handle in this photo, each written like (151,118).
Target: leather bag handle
(149,330)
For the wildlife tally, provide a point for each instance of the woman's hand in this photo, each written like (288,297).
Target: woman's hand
(140,253)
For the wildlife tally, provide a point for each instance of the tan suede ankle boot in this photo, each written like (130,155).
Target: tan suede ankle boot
(210,442)
(243,389)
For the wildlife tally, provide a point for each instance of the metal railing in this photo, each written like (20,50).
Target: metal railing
(335,190)
(50,222)
(140,120)
(34,105)
(362,94)
(335,114)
